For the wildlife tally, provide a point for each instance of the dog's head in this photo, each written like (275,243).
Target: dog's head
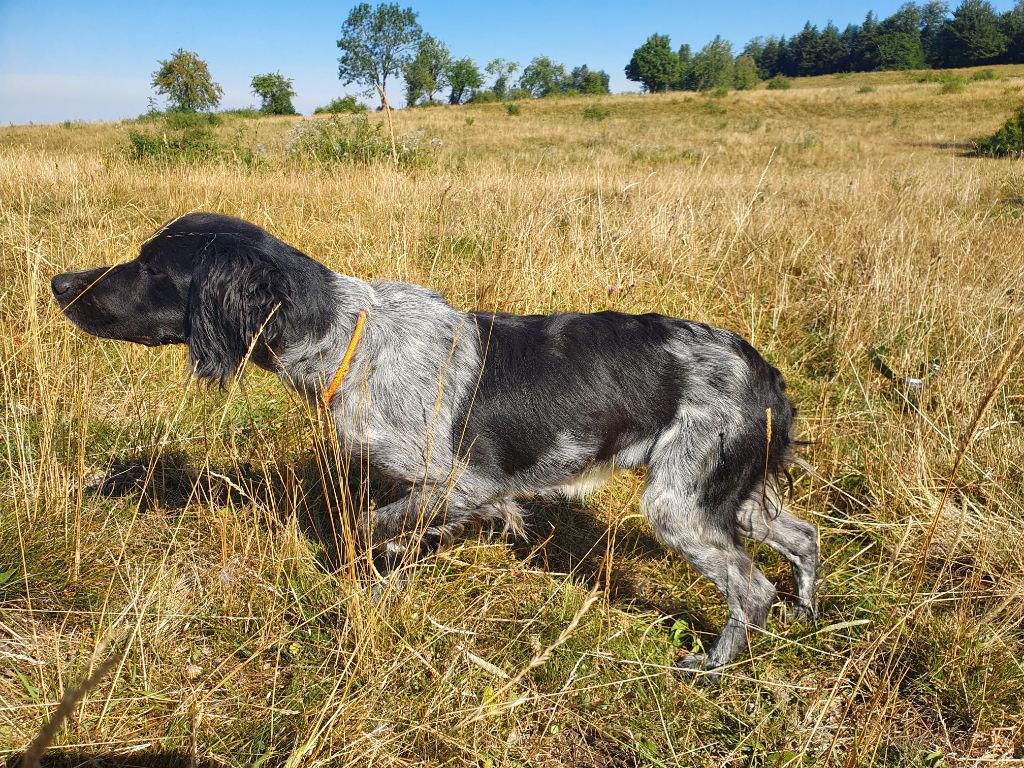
(225,287)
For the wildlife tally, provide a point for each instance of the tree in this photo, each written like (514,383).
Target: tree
(864,50)
(186,82)
(463,76)
(934,15)
(1013,28)
(899,40)
(745,73)
(766,54)
(685,80)
(542,77)
(802,52)
(501,71)
(426,73)
(833,55)
(586,80)
(974,35)
(375,44)
(276,92)
(654,64)
(713,65)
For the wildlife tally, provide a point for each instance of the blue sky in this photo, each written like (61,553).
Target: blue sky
(93,60)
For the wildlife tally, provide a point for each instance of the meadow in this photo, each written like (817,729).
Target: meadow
(198,537)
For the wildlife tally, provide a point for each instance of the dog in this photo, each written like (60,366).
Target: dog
(471,411)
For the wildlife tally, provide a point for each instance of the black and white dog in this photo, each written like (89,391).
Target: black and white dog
(469,411)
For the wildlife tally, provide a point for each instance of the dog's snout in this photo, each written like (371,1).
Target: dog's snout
(62,284)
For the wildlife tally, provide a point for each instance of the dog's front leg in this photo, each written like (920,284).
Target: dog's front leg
(416,525)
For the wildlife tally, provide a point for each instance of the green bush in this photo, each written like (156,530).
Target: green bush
(351,140)
(484,97)
(194,144)
(513,109)
(779,83)
(345,105)
(953,86)
(177,120)
(1008,141)
(718,93)
(939,76)
(595,113)
(985,74)
(245,112)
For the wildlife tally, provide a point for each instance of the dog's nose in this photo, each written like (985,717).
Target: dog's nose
(61,284)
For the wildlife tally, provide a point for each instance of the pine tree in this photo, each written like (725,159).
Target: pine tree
(975,35)
(1013,29)
(934,16)
(864,51)
(899,40)
(685,80)
(833,55)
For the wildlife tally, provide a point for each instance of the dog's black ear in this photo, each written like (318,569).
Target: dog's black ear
(237,306)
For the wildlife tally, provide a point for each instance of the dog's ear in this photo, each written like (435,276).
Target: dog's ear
(237,304)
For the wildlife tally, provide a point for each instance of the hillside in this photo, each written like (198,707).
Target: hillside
(840,226)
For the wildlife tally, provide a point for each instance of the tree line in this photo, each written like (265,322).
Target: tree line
(377,44)
(386,41)
(914,37)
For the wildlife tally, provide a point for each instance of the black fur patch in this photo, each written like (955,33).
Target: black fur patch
(606,379)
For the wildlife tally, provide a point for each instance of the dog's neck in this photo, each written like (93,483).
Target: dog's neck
(308,359)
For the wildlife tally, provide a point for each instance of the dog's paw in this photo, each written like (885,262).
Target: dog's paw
(695,665)
(800,611)
(387,589)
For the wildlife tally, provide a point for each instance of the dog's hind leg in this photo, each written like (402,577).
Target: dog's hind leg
(685,520)
(765,519)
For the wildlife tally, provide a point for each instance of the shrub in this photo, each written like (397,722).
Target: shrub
(484,97)
(595,113)
(177,120)
(953,86)
(718,93)
(779,83)
(190,145)
(344,105)
(866,89)
(985,74)
(939,76)
(244,112)
(350,140)
(1008,141)
(513,109)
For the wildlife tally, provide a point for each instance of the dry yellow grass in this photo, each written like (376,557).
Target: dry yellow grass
(829,226)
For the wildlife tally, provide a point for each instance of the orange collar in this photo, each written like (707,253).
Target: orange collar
(339,375)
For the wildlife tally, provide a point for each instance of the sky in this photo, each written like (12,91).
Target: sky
(78,60)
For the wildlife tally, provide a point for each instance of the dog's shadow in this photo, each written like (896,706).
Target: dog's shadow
(562,537)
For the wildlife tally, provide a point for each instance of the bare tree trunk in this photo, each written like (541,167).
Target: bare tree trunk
(391,125)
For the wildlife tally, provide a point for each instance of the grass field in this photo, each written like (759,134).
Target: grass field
(840,226)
